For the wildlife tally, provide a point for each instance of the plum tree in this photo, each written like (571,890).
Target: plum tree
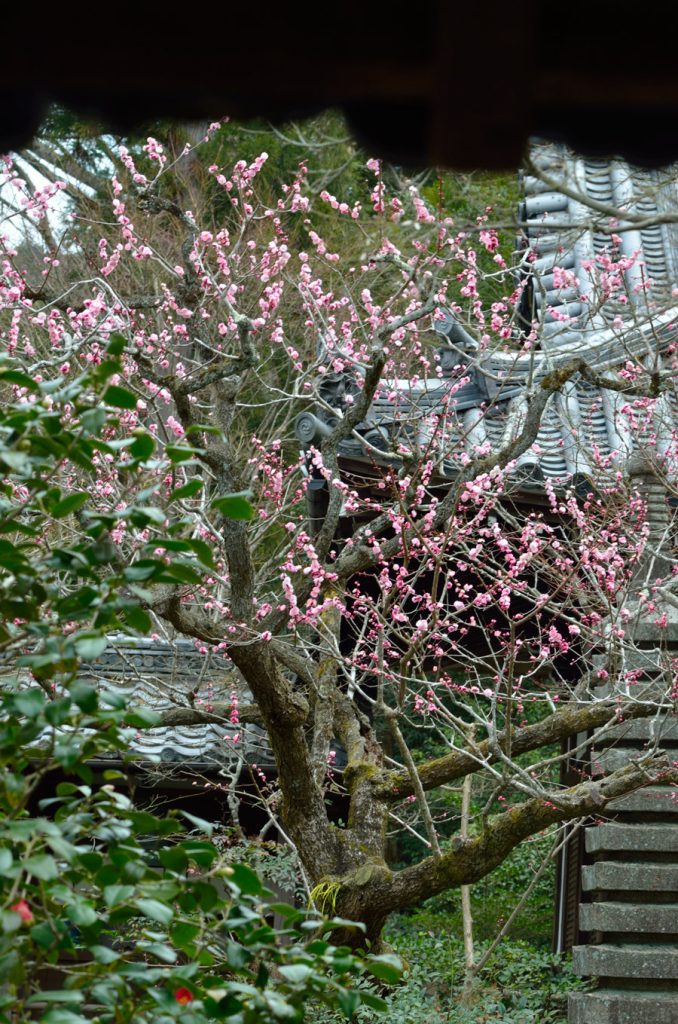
(447,593)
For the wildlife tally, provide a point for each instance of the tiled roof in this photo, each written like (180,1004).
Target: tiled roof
(584,427)
(166,675)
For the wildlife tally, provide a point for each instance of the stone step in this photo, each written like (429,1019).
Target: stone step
(639,918)
(639,838)
(627,961)
(650,800)
(610,1007)
(646,729)
(604,761)
(648,657)
(621,875)
(653,686)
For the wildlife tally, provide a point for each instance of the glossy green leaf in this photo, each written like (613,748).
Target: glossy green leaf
(246,880)
(142,446)
(188,490)
(117,343)
(61,995)
(138,619)
(203,826)
(155,910)
(63,1016)
(183,573)
(58,711)
(373,1001)
(30,702)
(143,718)
(10,922)
(19,378)
(204,854)
(349,1001)
(160,951)
(179,453)
(174,858)
(296,974)
(114,894)
(69,504)
(104,955)
(41,866)
(234,506)
(82,914)
(184,932)
(387,968)
(237,956)
(90,647)
(119,397)
(84,695)
(203,551)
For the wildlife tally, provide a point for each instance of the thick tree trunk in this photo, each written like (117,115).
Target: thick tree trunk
(371,892)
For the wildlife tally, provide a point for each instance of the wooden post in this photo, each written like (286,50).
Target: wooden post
(466,912)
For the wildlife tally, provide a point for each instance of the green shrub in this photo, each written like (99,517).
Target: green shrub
(109,914)
(520,984)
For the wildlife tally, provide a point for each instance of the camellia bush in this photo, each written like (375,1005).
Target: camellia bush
(112,914)
(434,624)
(107,912)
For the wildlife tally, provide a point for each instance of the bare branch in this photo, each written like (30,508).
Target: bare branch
(468,862)
(566,721)
(218,714)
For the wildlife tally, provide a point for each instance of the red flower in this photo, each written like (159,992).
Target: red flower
(184,996)
(23,910)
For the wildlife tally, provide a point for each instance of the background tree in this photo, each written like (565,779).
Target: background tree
(420,613)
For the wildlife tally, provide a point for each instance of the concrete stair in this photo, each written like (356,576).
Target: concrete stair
(610,1007)
(630,913)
